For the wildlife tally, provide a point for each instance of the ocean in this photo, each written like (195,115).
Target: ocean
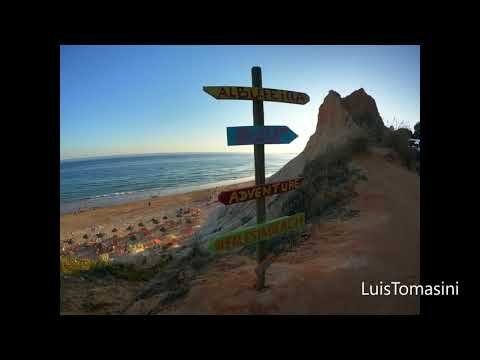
(103,181)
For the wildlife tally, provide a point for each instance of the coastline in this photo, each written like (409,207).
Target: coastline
(80,206)
(104,219)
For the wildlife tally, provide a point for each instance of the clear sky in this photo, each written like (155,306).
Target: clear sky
(148,99)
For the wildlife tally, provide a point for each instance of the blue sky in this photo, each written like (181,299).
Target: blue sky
(148,99)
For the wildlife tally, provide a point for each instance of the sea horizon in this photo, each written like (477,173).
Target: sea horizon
(92,157)
(107,180)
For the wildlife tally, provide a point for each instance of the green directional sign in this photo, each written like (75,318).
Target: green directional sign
(257,233)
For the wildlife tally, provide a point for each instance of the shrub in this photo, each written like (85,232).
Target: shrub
(416,134)
(359,144)
(330,163)
(387,139)
(295,203)
(404,132)
(329,180)
(70,265)
(140,224)
(114,230)
(401,146)
(85,236)
(76,267)
(339,155)
(398,141)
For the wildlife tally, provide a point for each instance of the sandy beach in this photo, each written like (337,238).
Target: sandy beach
(171,218)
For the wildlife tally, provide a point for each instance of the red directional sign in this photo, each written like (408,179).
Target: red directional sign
(257,192)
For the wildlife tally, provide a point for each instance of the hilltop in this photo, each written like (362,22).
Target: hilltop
(323,272)
(342,124)
(361,201)
(361,197)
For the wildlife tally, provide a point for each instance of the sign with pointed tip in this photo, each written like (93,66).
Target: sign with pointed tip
(251,135)
(257,135)
(255,93)
(257,233)
(257,192)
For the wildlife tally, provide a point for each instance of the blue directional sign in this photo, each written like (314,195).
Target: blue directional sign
(250,135)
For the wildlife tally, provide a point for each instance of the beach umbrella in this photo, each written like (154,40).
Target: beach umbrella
(156,241)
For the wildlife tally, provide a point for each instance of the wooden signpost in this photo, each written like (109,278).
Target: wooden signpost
(257,135)
(251,135)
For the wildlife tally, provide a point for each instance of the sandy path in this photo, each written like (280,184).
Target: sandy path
(324,274)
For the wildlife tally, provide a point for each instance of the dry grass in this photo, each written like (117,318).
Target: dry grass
(87,267)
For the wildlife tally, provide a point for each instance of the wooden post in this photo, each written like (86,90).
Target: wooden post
(259,154)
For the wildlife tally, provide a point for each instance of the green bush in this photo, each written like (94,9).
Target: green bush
(328,180)
(358,144)
(129,272)
(332,164)
(398,141)
(404,132)
(416,134)
(401,146)
(85,267)
(71,265)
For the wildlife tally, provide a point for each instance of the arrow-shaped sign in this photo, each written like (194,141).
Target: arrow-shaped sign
(256,233)
(255,93)
(258,192)
(250,135)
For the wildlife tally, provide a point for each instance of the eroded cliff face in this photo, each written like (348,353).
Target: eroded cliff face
(339,120)
(364,112)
